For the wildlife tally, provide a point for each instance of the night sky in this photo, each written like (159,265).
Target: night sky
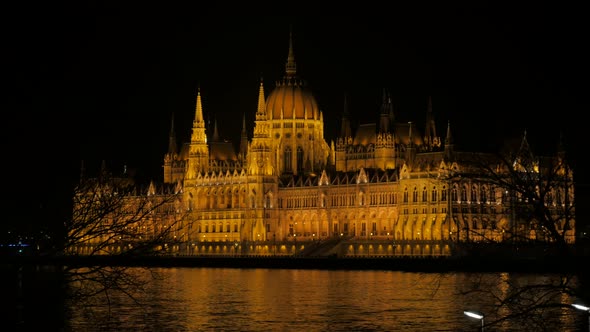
(90,83)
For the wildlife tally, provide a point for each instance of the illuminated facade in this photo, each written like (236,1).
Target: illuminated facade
(385,183)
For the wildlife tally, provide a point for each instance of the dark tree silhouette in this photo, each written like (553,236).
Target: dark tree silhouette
(113,223)
(541,206)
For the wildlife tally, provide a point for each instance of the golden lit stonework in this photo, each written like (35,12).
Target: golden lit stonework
(385,189)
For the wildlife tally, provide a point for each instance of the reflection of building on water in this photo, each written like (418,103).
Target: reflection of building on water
(383,189)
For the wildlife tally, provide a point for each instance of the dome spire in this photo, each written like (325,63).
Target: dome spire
(291,67)
(261,111)
(199,108)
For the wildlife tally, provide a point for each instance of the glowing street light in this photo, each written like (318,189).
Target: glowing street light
(583,308)
(476,315)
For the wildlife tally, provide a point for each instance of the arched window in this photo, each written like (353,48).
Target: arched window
(454,196)
(473,194)
(434,194)
(415,195)
(299,159)
(287,159)
(405,195)
(424,195)
(443,194)
(463,193)
(484,194)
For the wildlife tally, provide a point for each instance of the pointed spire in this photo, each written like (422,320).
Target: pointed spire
(449,138)
(199,107)
(244,132)
(291,67)
(524,146)
(524,157)
(215,132)
(385,119)
(172,138)
(430,136)
(199,130)
(261,102)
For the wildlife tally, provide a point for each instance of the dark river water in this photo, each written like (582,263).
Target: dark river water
(226,299)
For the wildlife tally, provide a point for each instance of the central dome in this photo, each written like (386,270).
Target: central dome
(291,99)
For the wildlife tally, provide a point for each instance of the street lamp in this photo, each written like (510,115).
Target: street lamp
(476,315)
(583,308)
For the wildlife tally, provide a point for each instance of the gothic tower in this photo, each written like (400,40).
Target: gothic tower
(198,157)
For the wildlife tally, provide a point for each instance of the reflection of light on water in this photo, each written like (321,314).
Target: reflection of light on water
(191,299)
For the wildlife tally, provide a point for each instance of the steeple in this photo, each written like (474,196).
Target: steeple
(261,127)
(172,138)
(525,156)
(261,110)
(215,132)
(430,139)
(290,68)
(386,116)
(198,151)
(260,160)
(449,138)
(198,134)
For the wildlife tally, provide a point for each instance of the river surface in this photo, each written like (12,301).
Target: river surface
(227,299)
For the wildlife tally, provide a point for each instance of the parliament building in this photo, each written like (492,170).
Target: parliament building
(384,189)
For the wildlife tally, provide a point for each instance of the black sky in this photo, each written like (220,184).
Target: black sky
(91,83)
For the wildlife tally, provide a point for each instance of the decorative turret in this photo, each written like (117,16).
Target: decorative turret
(386,116)
(199,151)
(431,141)
(260,160)
(261,129)
(524,159)
(171,157)
(384,145)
